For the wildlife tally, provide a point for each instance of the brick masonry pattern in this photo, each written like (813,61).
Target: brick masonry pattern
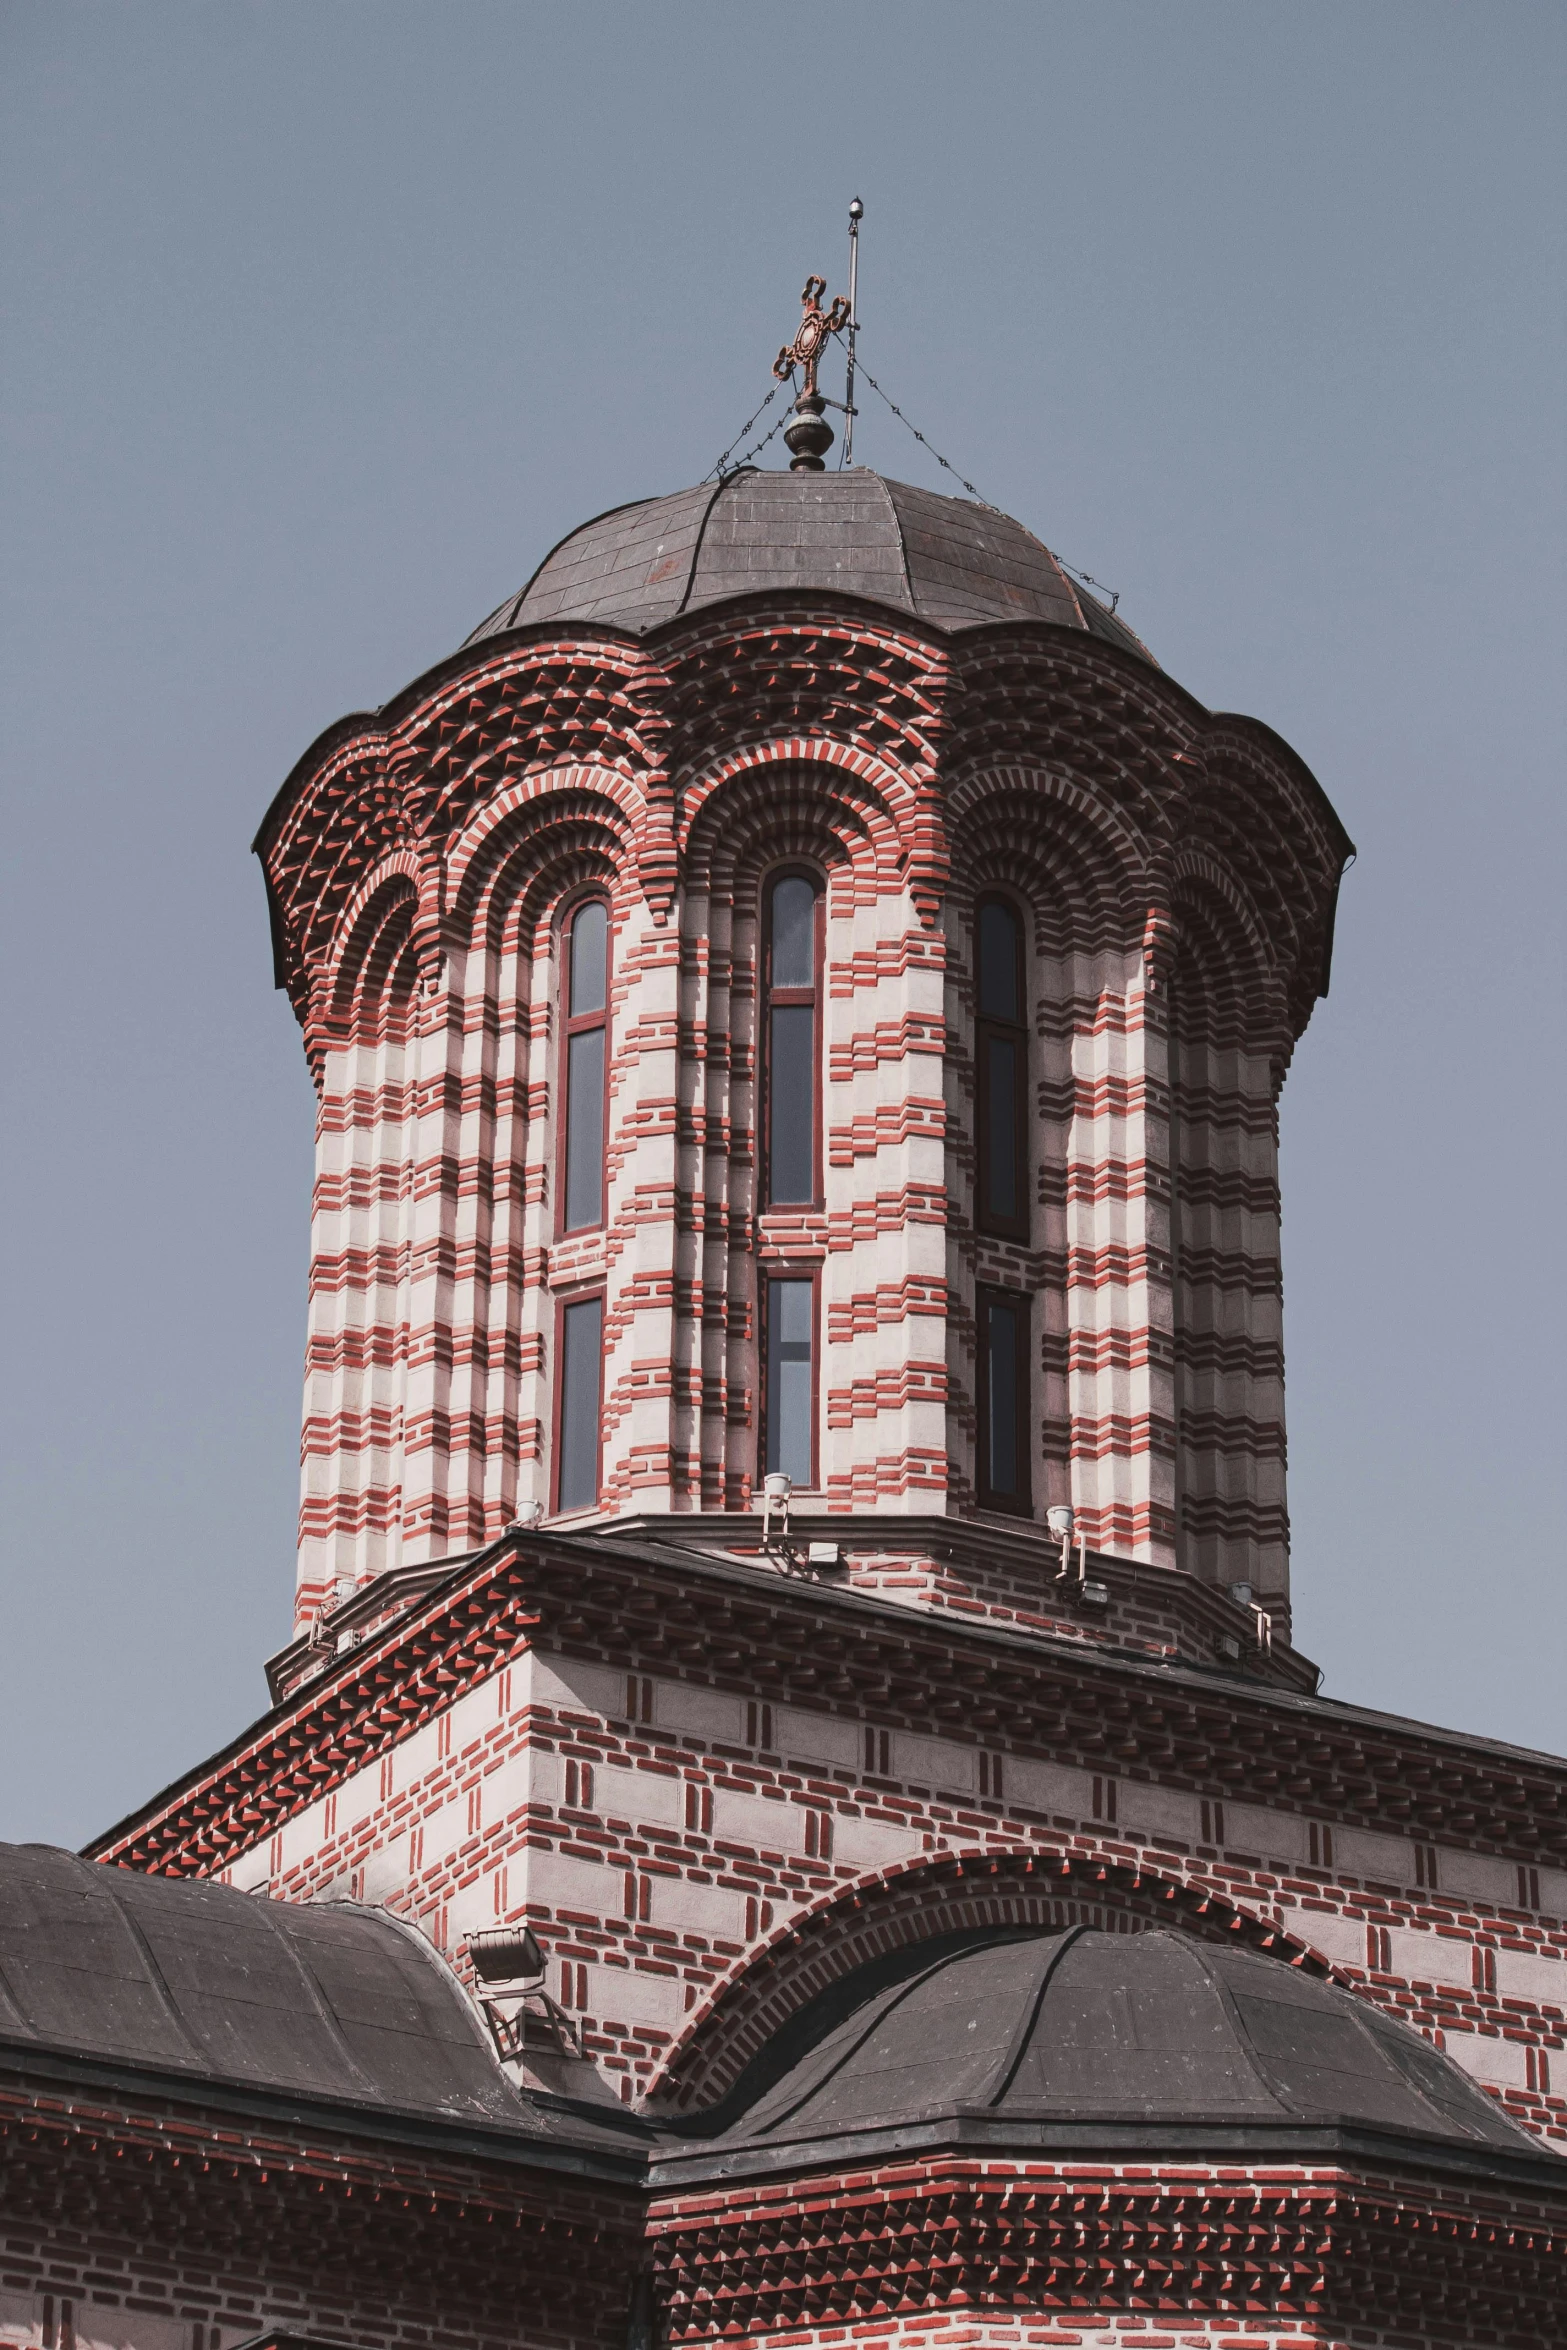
(1177,874)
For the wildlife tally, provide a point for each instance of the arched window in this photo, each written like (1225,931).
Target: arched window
(585,1067)
(791,1139)
(1001,1050)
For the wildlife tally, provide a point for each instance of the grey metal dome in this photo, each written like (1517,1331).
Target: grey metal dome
(1019,2032)
(944,561)
(196,1982)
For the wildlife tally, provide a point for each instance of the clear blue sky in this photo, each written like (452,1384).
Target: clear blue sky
(324,321)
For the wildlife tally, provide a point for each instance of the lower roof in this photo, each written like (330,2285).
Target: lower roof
(1021,2041)
(196,1982)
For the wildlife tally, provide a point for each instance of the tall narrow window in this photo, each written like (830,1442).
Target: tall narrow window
(1001,1045)
(580,1379)
(790,1409)
(587,1001)
(1003,1400)
(790,1137)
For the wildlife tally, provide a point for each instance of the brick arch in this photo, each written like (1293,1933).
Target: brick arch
(1252,815)
(1226,986)
(372,987)
(1079,865)
(472,854)
(802,685)
(791,800)
(1079,707)
(1015,1886)
(574,825)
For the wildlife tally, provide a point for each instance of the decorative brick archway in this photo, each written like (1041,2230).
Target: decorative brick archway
(901,1907)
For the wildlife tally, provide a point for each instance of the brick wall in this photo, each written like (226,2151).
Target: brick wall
(1106,2254)
(131,2223)
(673,1844)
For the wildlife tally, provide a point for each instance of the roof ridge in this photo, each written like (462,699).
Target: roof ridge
(719,488)
(903,544)
(513,604)
(1022,2037)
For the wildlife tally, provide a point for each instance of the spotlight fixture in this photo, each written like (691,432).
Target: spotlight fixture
(776,1490)
(506,1954)
(529,1514)
(1061,1521)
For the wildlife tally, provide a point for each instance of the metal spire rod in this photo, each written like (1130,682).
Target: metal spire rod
(856,215)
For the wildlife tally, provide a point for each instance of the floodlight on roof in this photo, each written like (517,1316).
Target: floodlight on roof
(505,1954)
(776,1490)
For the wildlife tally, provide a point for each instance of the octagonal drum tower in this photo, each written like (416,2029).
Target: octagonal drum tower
(800,989)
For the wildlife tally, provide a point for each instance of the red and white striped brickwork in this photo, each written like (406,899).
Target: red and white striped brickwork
(709,1790)
(1172,868)
(696,1865)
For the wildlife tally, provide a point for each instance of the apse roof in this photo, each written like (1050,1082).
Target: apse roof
(948,562)
(1025,2032)
(183,1978)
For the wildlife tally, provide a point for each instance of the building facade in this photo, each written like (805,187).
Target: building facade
(801,996)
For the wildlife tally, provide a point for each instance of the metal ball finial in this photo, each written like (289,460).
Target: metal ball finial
(856,210)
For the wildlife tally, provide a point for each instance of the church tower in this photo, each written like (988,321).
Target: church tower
(792,1680)
(800,991)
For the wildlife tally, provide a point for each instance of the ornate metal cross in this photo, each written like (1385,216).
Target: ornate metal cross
(811,334)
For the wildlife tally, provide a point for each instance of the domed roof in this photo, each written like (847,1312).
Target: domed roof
(945,561)
(195,1981)
(1082,2027)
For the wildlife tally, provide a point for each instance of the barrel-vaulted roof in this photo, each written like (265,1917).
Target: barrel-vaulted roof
(194,1981)
(1020,2032)
(947,562)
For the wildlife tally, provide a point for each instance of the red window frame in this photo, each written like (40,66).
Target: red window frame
(1016,1032)
(811,1274)
(772,997)
(576,1297)
(578,1025)
(1021,1503)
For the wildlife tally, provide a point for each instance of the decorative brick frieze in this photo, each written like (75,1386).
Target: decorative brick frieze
(148,2223)
(1110,2254)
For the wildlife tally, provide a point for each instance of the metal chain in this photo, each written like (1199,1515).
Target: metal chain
(1086,577)
(757,447)
(716,472)
(862,369)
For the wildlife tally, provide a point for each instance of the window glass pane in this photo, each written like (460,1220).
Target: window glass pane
(585,1129)
(794,933)
(581,1347)
(999,935)
(789,1413)
(1001,1338)
(791,1104)
(1001,1073)
(589,959)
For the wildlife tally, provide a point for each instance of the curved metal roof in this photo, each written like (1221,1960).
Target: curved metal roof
(1090,2027)
(184,1978)
(945,561)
